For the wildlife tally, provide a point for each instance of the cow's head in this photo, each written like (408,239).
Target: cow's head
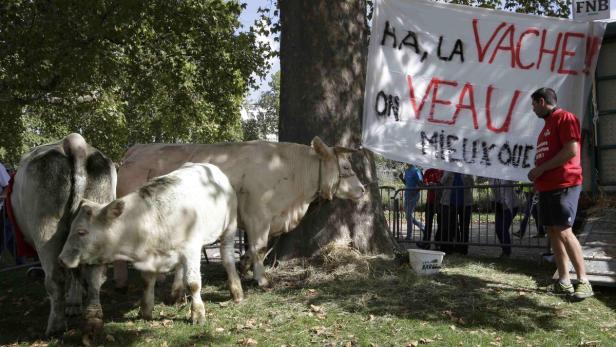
(337,177)
(90,239)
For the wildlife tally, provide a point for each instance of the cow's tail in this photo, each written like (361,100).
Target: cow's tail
(75,147)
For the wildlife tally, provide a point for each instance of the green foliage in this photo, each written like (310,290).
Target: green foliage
(266,112)
(122,72)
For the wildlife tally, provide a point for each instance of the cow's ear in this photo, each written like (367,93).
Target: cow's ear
(321,148)
(115,209)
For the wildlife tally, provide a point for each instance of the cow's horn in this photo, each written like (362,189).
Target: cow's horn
(340,150)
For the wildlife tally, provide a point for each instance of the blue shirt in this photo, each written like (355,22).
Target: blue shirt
(412,179)
(457,195)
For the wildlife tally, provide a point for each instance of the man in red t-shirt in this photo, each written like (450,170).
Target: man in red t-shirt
(557,176)
(431,178)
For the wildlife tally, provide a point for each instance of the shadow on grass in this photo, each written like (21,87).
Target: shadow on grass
(461,299)
(24,308)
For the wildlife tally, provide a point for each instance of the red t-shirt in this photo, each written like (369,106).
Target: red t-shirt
(560,128)
(432,176)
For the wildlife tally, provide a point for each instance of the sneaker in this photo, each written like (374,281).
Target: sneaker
(558,288)
(583,290)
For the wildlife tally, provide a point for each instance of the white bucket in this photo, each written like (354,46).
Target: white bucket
(426,262)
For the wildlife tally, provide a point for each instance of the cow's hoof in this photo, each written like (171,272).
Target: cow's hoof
(55,328)
(263,282)
(238,298)
(146,315)
(198,318)
(93,327)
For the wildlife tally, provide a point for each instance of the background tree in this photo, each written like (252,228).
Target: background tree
(323,58)
(323,61)
(264,113)
(121,72)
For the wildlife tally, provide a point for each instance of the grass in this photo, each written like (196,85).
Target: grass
(342,299)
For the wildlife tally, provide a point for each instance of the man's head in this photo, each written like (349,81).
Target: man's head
(543,101)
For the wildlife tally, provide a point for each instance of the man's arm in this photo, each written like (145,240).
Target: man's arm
(569,150)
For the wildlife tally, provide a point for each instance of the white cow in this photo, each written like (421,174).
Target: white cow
(275,181)
(160,228)
(50,182)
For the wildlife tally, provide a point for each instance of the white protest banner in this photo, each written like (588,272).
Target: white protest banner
(449,86)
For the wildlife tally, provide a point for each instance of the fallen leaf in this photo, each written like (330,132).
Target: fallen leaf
(320,330)
(412,344)
(164,344)
(167,323)
(223,304)
(590,344)
(109,338)
(219,330)
(316,309)
(250,324)
(452,327)
(248,341)
(425,341)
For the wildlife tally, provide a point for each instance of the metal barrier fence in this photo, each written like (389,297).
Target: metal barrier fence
(499,216)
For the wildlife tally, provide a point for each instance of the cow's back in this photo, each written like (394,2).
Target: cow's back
(239,161)
(49,184)
(193,205)
(269,178)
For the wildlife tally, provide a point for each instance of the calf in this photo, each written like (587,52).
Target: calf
(162,227)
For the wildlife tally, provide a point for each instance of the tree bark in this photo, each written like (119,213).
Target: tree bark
(323,70)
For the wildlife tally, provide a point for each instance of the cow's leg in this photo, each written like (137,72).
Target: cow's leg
(193,283)
(54,284)
(94,277)
(227,254)
(147,303)
(257,240)
(74,294)
(120,275)
(177,288)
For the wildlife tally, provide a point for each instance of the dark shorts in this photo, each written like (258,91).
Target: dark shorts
(558,207)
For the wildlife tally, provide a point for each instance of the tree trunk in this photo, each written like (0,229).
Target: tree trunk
(323,61)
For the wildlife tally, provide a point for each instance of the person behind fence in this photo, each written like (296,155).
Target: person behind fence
(530,208)
(557,176)
(456,204)
(432,178)
(412,179)
(505,208)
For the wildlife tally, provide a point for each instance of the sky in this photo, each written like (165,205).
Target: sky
(247,18)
